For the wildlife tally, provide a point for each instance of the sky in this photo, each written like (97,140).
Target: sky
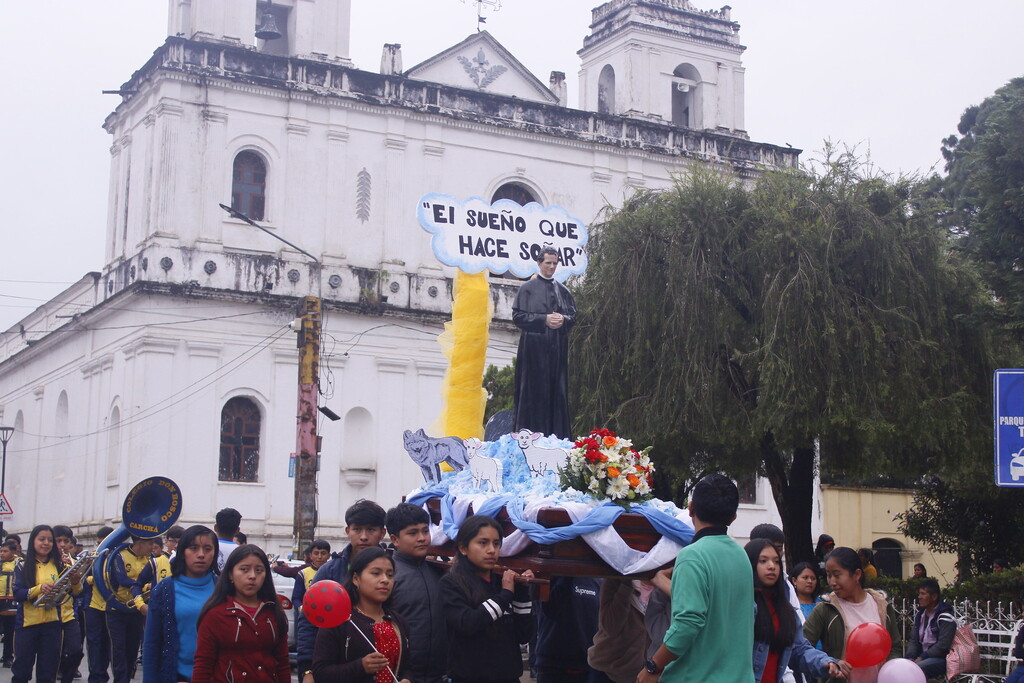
(889,77)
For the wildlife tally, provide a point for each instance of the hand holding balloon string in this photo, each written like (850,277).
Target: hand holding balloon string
(326,605)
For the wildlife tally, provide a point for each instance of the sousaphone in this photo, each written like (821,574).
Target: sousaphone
(149,510)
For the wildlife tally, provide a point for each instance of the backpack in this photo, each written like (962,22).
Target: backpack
(964,656)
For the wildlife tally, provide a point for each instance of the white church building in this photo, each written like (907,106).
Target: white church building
(176,358)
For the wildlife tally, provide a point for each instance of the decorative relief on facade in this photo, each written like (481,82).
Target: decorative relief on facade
(479,71)
(363,181)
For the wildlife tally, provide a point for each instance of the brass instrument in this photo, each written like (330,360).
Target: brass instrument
(130,602)
(62,586)
(150,509)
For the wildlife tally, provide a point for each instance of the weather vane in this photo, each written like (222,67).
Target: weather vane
(494,6)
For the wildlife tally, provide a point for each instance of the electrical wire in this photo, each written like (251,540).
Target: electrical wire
(41,282)
(152,410)
(87,328)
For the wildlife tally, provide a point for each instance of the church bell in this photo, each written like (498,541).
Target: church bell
(267,30)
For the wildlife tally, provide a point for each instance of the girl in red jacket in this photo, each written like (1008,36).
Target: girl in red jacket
(243,632)
(344,654)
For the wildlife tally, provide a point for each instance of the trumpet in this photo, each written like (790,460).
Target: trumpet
(129,603)
(70,576)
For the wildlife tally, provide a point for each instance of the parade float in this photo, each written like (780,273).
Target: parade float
(583,508)
(568,508)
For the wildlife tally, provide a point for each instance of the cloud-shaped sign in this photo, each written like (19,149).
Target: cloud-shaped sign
(474,235)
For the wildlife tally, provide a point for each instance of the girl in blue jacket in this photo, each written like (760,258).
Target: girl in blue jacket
(174,605)
(777,636)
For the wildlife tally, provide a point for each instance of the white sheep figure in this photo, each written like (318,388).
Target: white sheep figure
(484,469)
(538,458)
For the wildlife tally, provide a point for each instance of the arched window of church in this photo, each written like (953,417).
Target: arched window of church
(114,446)
(239,440)
(518,193)
(249,185)
(606,90)
(686,97)
(61,425)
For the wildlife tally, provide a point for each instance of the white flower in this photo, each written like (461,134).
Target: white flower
(642,488)
(595,485)
(617,488)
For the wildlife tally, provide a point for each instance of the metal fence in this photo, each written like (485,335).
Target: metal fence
(983,616)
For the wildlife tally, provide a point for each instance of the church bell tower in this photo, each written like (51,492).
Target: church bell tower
(665,61)
(310,29)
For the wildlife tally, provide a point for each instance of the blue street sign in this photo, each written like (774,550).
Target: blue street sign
(1009,427)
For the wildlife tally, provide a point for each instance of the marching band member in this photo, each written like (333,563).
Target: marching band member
(9,561)
(130,570)
(97,640)
(319,552)
(38,632)
(163,562)
(71,641)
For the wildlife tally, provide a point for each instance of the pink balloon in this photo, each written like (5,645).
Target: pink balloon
(867,645)
(327,604)
(901,671)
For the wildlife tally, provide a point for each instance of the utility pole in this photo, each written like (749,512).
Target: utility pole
(307,443)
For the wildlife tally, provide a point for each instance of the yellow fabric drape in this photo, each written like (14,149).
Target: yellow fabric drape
(464,342)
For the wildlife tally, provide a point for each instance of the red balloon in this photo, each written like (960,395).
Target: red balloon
(867,645)
(327,604)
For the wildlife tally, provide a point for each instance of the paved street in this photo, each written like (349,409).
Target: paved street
(5,675)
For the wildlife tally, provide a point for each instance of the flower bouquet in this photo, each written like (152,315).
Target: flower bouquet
(607,467)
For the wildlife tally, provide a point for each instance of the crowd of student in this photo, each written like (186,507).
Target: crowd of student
(213,614)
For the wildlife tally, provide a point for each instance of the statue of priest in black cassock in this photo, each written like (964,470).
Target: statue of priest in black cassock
(545,312)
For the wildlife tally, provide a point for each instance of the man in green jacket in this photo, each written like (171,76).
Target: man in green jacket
(711,636)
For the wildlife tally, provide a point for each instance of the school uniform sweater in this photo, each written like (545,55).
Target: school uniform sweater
(484,637)
(28,613)
(129,573)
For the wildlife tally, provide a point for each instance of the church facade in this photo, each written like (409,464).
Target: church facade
(177,357)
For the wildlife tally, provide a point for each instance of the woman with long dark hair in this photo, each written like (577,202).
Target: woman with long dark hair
(777,638)
(849,605)
(488,615)
(37,633)
(243,632)
(174,605)
(375,639)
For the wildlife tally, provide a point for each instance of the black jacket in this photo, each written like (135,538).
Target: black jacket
(484,637)
(417,597)
(943,627)
(339,651)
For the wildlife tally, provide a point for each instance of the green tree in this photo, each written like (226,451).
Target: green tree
(985,188)
(959,509)
(978,522)
(742,326)
(499,383)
